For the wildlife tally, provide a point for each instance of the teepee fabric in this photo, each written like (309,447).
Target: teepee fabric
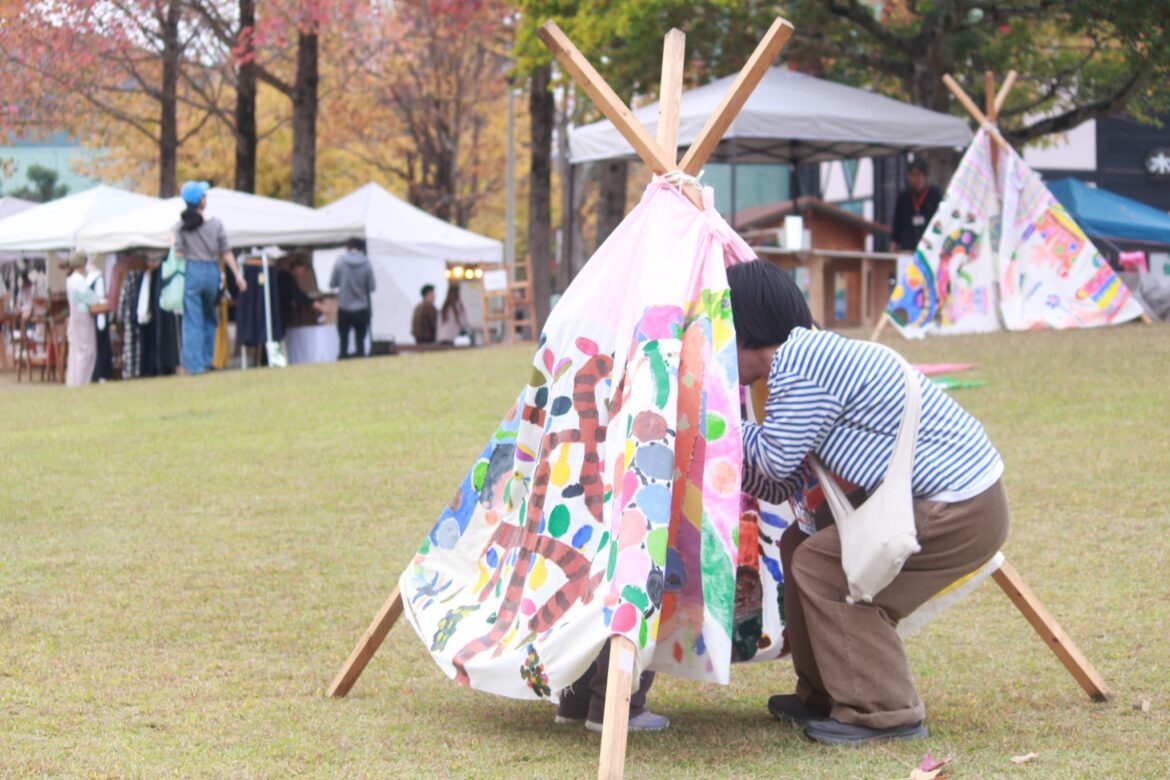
(608,500)
(1003,253)
(1051,274)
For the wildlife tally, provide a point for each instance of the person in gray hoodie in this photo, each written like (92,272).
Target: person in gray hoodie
(353,278)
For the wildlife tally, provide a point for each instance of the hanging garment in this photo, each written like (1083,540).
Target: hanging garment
(160,334)
(131,332)
(250,326)
(104,365)
(143,312)
(222,356)
(608,501)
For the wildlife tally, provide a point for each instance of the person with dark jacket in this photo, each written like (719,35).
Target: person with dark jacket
(914,208)
(353,278)
(425,320)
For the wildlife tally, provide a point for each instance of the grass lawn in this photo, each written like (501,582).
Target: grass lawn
(185,563)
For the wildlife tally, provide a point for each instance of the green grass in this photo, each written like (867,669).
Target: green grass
(185,563)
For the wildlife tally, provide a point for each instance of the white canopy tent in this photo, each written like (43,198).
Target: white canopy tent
(250,220)
(55,225)
(789,118)
(408,248)
(10,205)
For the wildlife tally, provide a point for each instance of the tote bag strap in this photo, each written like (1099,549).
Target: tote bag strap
(901,466)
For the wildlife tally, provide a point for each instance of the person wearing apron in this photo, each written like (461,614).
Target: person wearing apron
(81,330)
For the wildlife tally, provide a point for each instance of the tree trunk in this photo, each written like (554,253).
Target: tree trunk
(542,110)
(304,100)
(246,100)
(927,89)
(168,123)
(611,203)
(569,217)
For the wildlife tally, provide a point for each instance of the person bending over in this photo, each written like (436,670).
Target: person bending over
(842,401)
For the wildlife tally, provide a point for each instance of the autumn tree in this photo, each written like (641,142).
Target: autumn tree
(423,108)
(1077,59)
(117,63)
(279,44)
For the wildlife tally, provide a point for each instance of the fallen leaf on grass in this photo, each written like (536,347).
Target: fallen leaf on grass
(929,768)
(918,774)
(1025,758)
(1143,706)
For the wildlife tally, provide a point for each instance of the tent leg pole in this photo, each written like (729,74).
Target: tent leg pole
(616,726)
(1050,631)
(368,645)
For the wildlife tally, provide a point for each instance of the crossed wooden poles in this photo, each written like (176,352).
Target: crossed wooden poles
(661,155)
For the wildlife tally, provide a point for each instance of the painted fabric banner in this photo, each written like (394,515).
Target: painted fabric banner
(949,285)
(1051,274)
(561,534)
(1004,251)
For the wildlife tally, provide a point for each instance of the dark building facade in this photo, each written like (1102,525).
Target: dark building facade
(1133,160)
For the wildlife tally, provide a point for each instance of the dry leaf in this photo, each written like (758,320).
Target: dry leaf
(929,768)
(1025,758)
(918,774)
(1143,706)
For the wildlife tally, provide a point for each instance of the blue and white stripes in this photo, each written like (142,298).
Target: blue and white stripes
(842,399)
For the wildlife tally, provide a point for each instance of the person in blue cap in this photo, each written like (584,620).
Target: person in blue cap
(202,242)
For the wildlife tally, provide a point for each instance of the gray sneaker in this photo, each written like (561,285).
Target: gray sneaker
(833,732)
(565,720)
(644,721)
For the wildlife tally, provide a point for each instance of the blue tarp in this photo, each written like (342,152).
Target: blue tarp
(1104,214)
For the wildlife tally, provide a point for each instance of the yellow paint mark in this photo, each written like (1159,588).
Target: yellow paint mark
(560,469)
(484,575)
(537,574)
(693,504)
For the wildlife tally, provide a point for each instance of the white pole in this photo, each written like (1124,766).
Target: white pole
(264,289)
(243,348)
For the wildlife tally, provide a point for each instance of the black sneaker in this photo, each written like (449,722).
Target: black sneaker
(833,732)
(788,708)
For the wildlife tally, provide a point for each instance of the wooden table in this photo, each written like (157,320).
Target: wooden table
(867,278)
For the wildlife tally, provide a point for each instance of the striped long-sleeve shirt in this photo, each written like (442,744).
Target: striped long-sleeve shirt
(842,400)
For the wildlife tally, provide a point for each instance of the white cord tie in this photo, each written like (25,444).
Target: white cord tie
(679,178)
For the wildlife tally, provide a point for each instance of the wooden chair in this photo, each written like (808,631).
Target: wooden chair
(36,334)
(523,304)
(60,347)
(8,321)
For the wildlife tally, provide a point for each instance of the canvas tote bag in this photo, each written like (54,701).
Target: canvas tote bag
(878,536)
(173,283)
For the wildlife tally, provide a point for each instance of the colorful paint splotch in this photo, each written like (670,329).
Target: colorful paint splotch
(608,502)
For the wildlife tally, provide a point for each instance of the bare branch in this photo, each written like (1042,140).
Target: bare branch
(1075,116)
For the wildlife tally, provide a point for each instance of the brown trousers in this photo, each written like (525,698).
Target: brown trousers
(849,659)
(585,698)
